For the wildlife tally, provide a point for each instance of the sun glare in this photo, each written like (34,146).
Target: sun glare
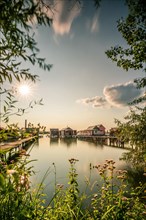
(24,89)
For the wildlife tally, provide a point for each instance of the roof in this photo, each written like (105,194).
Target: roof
(54,129)
(93,127)
(97,127)
(100,125)
(67,128)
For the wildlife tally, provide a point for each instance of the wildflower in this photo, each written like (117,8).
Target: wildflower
(125,171)
(124,199)
(120,177)
(73,160)
(95,195)
(111,161)
(10,172)
(105,165)
(119,171)
(24,181)
(97,166)
(60,186)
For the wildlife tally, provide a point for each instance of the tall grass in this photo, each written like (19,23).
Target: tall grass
(18,201)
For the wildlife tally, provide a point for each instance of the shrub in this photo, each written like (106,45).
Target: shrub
(113,200)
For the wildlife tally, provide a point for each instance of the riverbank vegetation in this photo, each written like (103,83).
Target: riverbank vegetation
(114,199)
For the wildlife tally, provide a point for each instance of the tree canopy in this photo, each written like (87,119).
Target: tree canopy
(17,39)
(18,45)
(133,30)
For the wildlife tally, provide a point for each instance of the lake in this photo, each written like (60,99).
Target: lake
(48,152)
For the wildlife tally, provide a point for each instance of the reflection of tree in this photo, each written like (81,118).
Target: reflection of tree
(68,141)
(135,157)
(137,164)
(136,176)
(36,144)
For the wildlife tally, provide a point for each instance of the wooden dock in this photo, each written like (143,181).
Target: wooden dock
(104,139)
(11,148)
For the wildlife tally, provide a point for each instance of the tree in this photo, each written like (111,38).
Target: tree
(133,30)
(18,45)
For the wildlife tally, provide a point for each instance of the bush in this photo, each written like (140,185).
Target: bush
(111,201)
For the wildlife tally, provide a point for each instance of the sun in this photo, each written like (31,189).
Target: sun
(24,89)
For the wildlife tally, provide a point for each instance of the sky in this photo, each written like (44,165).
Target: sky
(84,87)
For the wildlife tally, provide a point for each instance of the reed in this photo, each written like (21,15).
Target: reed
(113,200)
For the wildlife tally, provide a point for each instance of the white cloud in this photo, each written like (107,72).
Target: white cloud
(63,13)
(114,96)
(95,101)
(95,24)
(121,94)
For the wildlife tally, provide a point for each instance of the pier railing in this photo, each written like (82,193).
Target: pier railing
(11,148)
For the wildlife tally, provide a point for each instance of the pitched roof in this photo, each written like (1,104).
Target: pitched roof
(67,128)
(97,127)
(93,127)
(100,125)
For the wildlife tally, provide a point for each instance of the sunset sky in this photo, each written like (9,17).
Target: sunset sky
(84,87)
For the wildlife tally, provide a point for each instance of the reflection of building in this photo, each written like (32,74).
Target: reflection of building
(54,133)
(93,131)
(54,141)
(68,141)
(67,132)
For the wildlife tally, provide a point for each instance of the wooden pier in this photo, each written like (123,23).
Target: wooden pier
(11,148)
(104,139)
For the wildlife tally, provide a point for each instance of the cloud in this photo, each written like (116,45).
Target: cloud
(114,96)
(63,13)
(121,94)
(93,25)
(96,101)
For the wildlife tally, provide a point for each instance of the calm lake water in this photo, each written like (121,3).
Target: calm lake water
(48,152)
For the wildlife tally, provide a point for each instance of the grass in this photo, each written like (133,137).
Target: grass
(110,201)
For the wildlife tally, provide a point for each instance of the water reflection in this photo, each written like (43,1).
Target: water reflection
(136,176)
(36,143)
(68,142)
(64,149)
(58,151)
(54,141)
(93,144)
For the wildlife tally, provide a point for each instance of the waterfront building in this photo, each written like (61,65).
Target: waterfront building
(54,133)
(67,132)
(95,130)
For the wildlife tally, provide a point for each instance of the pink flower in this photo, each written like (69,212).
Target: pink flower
(10,172)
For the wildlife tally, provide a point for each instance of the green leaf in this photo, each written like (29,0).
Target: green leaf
(2,181)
